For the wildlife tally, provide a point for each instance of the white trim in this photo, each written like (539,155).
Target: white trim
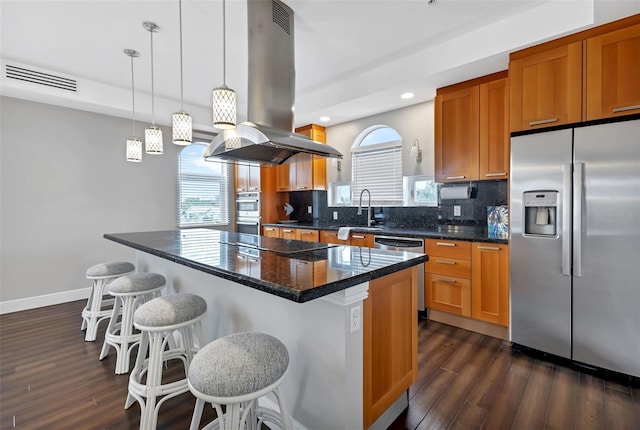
(349,296)
(9,306)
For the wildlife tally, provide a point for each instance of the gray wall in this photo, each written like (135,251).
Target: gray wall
(413,122)
(65,183)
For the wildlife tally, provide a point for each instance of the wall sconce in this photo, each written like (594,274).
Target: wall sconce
(335,162)
(416,151)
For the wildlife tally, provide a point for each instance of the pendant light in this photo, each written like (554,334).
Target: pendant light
(181,122)
(134,145)
(152,135)
(224,98)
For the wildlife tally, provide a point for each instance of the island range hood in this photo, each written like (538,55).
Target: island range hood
(268,138)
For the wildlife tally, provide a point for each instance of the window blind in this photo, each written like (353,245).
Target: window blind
(379,171)
(203,189)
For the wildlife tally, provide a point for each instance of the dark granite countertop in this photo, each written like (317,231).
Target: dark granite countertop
(292,273)
(449,232)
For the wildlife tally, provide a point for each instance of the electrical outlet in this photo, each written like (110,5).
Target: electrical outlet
(309,209)
(335,215)
(355,319)
(456,210)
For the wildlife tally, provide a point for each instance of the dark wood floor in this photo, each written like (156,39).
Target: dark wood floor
(51,379)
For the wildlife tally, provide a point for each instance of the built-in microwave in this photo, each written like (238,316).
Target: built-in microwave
(248,205)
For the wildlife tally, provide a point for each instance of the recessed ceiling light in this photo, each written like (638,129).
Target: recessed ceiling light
(407,95)
(324,118)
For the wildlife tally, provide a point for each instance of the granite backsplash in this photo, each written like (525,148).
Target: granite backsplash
(312,206)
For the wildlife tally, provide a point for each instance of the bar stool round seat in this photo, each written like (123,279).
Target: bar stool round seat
(98,308)
(235,371)
(159,320)
(129,292)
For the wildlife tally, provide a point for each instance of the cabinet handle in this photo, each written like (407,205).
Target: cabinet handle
(306,232)
(450,263)
(543,121)
(301,188)
(254,260)
(625,108)
(456,177)
(355,236)
(287,231)
(489,248)
(240,257)
(253,188)
(269,228)
(331,234)
(447,281)
(445,244)
(495,174)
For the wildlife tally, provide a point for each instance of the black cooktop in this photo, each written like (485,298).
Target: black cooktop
(272,244)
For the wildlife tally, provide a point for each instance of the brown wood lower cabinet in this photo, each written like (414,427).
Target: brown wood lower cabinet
(490,283)
(355,239)
(269,231)
(307,235)
(468,279)
(390,341)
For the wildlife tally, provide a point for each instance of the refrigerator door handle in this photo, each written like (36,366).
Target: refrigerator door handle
(578,197)
(566,219)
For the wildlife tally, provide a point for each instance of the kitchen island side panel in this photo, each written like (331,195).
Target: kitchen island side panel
(323,388)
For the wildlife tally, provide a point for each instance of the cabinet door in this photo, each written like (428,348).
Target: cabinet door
(308,235)
(490,283)
(447,293)
(330,236)
(494,130)
(283,183)
(546,88)
(301,172)
(242,177)
(390,341)
(254,177)
(457,135)
(271,231)
(613,73)
(288,233)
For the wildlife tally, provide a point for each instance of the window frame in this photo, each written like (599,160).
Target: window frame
(221,180)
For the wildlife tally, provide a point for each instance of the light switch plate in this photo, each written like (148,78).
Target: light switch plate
(456,210)
(309,209)
(335,215)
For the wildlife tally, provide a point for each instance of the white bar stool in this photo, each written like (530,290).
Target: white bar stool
(158,320)
(98,309)
(235,371)
(129,292)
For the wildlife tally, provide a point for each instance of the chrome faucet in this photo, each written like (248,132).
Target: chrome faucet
(369,219)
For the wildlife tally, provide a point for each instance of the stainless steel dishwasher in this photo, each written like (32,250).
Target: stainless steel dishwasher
(409,244)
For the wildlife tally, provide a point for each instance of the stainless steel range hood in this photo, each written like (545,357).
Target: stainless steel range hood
(268,138)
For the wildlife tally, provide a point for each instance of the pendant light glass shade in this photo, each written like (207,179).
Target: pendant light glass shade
(182,126)
(134,150)
(224,107)
(152,134)
(223,97)
(181,122)
(153,140)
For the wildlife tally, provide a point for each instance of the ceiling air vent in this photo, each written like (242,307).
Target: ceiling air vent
(281,17)
(40,78)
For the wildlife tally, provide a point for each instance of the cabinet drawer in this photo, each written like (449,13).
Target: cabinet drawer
(448,248)
(447,293)
(288,233)
(308,235)
(364,240)
(448,266)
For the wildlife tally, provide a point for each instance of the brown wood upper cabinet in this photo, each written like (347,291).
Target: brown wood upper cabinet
(471,133)
(304,172)
(587,75)
(613,73)
(247,177)
(546,88)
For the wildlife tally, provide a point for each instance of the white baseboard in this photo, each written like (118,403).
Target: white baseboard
(44,300)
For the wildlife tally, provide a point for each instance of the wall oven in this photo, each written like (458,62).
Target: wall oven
(248,212)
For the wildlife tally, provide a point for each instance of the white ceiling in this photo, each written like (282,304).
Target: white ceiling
(353,57)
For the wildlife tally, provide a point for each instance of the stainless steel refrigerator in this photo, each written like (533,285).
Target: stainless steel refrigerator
(575,244)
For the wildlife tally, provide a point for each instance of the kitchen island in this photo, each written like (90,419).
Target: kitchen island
(345,313)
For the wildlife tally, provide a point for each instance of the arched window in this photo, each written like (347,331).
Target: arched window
(203,189)
(376,164)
